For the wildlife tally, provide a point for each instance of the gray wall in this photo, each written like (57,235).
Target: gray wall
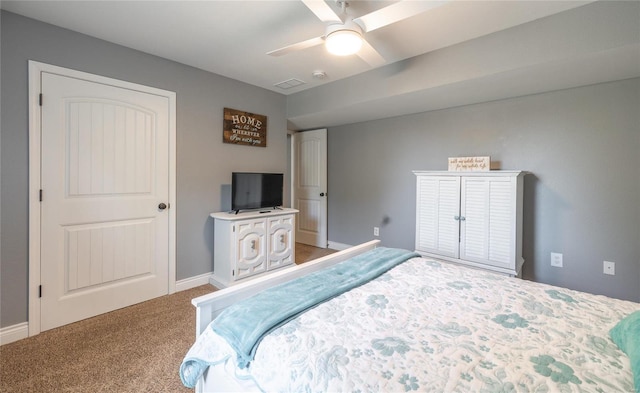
(582,199)
(204,163)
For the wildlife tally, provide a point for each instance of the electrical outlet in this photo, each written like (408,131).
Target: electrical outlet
(556,259)
(376,231)
(609,268)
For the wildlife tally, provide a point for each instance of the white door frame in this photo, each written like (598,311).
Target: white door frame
(291,165)
(294,170)
(35,126)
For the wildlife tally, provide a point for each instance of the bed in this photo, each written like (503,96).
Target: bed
(418,325)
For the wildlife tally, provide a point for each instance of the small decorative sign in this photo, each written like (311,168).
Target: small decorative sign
(244,128)
(469,163)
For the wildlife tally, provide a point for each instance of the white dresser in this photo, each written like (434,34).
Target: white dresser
(472,218)
(248,244)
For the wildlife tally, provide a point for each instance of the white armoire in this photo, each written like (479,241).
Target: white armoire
(472,218)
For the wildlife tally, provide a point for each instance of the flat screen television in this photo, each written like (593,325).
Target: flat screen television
(256,190)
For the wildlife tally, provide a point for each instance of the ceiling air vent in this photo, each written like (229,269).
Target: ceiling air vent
(289,83)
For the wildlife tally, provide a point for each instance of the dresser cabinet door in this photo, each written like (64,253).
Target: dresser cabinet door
(281,240)
(251,247)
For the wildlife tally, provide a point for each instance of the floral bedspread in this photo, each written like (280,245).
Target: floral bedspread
(432,326)
(440,327)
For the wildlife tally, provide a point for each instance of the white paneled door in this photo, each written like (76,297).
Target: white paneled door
(105,196)
(310,187)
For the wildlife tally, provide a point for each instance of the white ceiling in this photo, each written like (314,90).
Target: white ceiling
(231,38)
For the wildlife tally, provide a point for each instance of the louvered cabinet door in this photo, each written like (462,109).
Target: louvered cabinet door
(487,220)
(437,208)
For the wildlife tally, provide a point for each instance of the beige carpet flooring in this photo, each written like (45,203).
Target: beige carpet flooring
(134,349)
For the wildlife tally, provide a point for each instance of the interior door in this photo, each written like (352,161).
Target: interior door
(105,190)
(310,187)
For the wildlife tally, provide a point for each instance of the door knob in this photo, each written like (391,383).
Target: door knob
(322,194)
(162,206)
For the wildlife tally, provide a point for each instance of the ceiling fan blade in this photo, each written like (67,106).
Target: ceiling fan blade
(394,13)
(322,10)
(297,46)
(370,55)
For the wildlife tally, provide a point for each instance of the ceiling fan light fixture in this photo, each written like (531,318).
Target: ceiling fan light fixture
(343,39)
(344,42)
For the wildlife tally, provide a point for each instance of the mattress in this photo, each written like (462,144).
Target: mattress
(427,325)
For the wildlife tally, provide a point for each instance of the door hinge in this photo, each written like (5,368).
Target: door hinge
(40,99)
(40,291)
(40,195)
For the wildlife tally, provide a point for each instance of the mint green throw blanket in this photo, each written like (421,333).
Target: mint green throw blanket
(245,323)
(626,335)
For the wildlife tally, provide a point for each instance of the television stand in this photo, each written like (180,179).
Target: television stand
(251,244)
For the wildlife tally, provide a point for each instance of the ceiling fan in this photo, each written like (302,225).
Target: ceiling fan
(344,35)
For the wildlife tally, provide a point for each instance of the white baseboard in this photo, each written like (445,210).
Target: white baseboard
(338,246)
(13,333)
(193,282)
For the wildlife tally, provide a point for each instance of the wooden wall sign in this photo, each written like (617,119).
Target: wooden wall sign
(469,163)
(244,128)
